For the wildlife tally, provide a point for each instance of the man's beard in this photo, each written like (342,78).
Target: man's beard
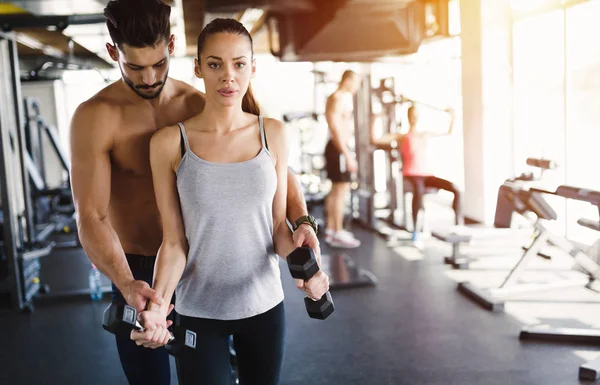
(139,89)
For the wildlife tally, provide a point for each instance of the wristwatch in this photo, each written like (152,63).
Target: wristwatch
(308,219)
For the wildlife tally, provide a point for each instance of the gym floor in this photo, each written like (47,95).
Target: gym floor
(412,328)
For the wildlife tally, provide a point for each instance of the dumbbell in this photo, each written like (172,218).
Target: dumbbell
(303,265)
(123,318)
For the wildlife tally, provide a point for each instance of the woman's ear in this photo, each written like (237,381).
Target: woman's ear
(197,71)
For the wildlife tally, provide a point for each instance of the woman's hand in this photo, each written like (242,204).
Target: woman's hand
(305,236)
(155,333)
(317,286)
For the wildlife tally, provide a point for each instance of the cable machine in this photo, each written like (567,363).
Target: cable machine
(19,264)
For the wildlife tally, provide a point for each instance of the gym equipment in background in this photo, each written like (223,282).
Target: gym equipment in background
(387,210)
(508,203)
(493,298)
(590,370)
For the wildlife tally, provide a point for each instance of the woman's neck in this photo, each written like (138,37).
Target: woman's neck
(223,119)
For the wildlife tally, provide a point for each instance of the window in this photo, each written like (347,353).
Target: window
(539,104)
(556,66)
(538,50)
(583,114)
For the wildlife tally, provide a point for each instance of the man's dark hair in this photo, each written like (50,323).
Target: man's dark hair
(348,74)
(138,23)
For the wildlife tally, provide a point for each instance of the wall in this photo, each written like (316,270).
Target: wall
(487,103)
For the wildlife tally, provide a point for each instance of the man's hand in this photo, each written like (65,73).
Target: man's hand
(155,333)
(137,293)
(351,164)
(305,236)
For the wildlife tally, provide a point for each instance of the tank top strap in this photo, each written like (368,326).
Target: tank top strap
(184,137)
(263,137)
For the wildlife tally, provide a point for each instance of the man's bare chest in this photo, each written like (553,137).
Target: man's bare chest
(131,149)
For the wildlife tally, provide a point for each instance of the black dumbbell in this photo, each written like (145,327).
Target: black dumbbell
(303,265)
(123,318)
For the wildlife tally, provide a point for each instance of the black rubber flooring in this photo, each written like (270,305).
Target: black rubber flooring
(412,328)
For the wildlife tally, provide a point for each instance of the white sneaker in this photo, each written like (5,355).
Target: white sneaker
(328,235)
(345,233)
(343,240)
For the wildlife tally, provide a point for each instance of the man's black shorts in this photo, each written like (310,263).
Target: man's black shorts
(335,164)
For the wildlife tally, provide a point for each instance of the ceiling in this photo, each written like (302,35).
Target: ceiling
(45,43)
(343,30)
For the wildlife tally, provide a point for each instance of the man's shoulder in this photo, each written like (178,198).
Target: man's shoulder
(99,113)
(187,91)
(106,99)
(335,96)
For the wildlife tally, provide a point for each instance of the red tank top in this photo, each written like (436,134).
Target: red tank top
(414,155)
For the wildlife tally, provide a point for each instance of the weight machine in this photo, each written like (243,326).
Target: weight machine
(382,212)
(34,216)
(309,164)
(53,207)
(342,270)
(590,370)
(19,274)
(509,201)
(532,200)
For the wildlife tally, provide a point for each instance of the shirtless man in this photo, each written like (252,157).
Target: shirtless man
(340,161)
(117,215)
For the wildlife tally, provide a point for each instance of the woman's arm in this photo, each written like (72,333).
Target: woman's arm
(282,235)
(385,140)
(450,111)
(171,258)
(172,255)
(304,235)
(296,205)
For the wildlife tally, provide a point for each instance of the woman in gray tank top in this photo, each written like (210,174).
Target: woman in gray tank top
(221,192)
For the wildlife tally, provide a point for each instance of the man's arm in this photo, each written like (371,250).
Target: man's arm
(91,141)
(333,112)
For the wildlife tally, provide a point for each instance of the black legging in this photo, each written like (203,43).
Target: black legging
(420,183)
(142,366)
(258,342)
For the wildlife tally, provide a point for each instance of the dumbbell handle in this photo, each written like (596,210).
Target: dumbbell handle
(323,296)
(138,326)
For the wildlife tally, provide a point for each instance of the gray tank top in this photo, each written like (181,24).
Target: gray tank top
(232,271)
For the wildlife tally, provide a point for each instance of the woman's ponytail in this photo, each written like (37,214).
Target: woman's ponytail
(249,104)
